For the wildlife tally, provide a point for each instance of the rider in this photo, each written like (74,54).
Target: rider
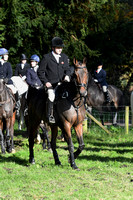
(22,67)
(100,78)
(54,68)
(6,70)
(31,75)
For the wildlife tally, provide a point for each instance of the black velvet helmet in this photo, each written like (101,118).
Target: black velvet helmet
(99,62)
(57,42)
(23,57)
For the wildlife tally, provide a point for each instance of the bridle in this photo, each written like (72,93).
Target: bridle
(81,84)
(81,97)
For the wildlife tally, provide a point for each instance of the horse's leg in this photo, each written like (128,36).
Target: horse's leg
(79,132)
(67,136)
(45,136)
(54,131)
(101,117)
(2,141)
(31,145)
(8,148)
(32,130)
(12,132)
(114,120)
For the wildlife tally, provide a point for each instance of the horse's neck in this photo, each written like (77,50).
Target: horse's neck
(3,92)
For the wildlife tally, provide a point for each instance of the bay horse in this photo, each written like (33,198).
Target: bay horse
(69,112)
(7,118)
(96,99)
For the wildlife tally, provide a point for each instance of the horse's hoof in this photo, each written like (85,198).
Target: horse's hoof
(3,152)
(32,161)
(58,163)
(115,124)
(62,140)
(9,150)
(50,150)
(13,151)
(74,166)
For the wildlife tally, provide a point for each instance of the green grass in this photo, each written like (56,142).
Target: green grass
(106,170)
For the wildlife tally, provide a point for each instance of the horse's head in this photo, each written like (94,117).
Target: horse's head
(81,74)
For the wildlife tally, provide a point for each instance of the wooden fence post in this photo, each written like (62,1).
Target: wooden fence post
(85,125)
(99,123)
(126,119)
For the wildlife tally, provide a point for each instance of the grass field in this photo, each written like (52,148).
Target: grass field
(106,169)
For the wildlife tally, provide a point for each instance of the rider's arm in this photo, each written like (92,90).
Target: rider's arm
(41,71)
(9,71)
(28,78)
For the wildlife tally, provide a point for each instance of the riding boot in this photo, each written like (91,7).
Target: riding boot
(107,98)
(17,105)
(50,116)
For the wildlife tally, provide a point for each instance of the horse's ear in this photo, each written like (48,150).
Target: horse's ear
(85,60)
(74,61)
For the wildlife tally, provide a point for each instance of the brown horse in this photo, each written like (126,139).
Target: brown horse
(7,118)
(96,99)
(69,111)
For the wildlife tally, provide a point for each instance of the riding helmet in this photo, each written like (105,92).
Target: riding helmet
(99,62)
(57,42)
(35,58)
(23,57)
(3,51)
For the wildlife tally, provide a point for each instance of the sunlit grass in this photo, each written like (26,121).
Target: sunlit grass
(106,169)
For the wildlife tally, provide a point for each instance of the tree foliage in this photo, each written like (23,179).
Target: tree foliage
(92,28)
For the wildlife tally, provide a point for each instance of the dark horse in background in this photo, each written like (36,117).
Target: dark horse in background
(7,118)
(69,112)
(96,99)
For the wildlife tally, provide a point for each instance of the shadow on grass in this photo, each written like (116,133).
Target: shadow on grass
(105,158)
(97,149)
(22,133)
(14,158)
(123,144)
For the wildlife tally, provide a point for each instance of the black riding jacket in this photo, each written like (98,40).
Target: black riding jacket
(51,71)
(19,71)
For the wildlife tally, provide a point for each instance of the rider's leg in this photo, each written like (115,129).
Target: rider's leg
(105,90)
(50,104)
(17,105)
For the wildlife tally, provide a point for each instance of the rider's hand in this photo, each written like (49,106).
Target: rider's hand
(5,80)
(23,78)
(48,84)
(67,78)
(96,80)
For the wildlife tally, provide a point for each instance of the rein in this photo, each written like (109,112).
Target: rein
(4,102)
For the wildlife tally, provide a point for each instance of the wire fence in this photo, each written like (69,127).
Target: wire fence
(110,118)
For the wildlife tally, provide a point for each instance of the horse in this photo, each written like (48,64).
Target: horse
(96,99)
(69,111)
(7,118)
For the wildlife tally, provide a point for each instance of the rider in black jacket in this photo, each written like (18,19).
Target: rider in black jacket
(54,68)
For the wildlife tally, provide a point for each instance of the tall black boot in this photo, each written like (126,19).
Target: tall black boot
(50,116)
(17,105)
(107,98)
